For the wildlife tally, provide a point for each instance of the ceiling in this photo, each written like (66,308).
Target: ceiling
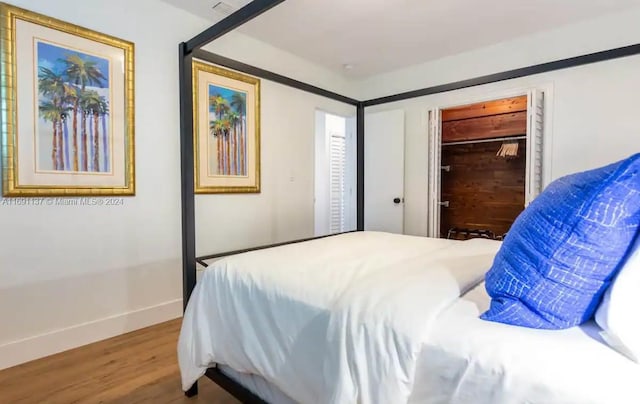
(359,38)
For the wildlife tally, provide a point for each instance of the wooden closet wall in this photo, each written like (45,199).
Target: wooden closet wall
(484,192)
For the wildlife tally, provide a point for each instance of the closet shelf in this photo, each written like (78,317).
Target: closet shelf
(495,139)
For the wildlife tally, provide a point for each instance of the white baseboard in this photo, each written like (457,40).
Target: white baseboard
(28,349)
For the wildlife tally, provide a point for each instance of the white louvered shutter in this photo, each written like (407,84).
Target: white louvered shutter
(535,132)
(337,186)
(435,135)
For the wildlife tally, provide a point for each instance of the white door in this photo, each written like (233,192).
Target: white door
(384,171)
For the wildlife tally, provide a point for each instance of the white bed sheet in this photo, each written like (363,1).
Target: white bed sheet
(467,360)
(355,335)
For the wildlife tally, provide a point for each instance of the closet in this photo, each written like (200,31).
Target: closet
(489,163)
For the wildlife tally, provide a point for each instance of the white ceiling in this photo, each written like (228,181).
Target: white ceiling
(375,36)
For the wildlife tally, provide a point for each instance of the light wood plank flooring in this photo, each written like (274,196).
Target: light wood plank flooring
(138,367)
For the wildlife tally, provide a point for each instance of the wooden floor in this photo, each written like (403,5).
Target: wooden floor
(139,367)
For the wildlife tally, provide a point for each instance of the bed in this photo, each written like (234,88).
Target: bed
(447,357)
(377,318)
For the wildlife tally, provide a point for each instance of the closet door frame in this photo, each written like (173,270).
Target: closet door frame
(434,133)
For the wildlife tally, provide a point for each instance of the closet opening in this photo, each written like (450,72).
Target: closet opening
(489,166)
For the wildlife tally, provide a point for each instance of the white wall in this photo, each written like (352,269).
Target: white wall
(593,115)
(73,275)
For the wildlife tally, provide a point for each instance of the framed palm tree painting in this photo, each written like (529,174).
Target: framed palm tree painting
(68,128)
(227,130)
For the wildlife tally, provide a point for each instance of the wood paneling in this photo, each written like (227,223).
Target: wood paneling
(484,191)
(139,367)
(485,127)
(497,107)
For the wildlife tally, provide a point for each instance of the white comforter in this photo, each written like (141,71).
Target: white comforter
(335,320)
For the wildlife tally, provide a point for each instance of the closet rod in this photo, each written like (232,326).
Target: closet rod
(494,139)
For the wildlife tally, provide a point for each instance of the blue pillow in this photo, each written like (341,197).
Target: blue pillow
(565,247)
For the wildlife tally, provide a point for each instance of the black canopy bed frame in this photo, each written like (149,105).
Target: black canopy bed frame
(192,49)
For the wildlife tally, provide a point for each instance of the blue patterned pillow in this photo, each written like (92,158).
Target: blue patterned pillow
(563,250)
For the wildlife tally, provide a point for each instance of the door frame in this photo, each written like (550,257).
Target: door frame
(492,95)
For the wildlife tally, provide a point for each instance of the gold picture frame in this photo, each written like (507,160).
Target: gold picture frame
(68,126)
(226,120)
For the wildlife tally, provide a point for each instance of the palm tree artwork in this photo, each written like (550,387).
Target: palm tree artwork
(227,128)
(73,132)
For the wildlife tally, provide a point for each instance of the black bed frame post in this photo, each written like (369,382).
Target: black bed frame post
(187,167)
(360,166)
(186,49)
(187,183)
(186,54)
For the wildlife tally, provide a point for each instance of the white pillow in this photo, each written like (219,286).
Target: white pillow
(617,315)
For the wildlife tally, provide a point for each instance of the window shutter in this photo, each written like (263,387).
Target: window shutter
(435,134)
(337,186)
(535,131)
